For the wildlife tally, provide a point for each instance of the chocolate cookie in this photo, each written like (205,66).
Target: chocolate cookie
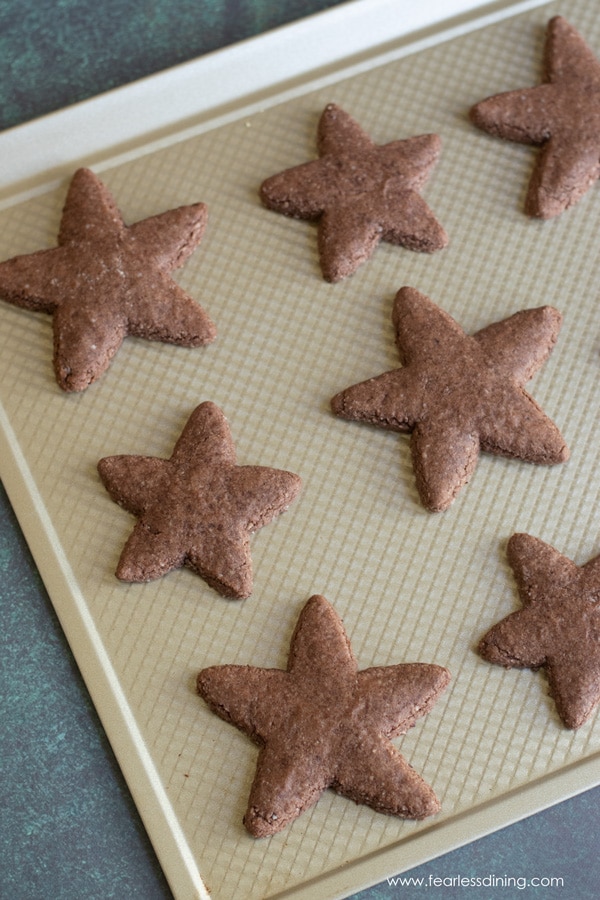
(459,394)
(197,508)
(322,723)
(360,193)
(562,115)
(558,627)
(107,280)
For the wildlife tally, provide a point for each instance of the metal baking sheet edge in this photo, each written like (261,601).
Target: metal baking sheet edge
(325,46)
(73,134)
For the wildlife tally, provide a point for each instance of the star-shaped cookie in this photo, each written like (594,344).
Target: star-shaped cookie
(557,628)
(562,115)
(360,193)
(321,723)
(197,508)
(459,394)
(106,280)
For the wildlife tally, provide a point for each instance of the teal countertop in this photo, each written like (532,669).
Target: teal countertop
(68,827)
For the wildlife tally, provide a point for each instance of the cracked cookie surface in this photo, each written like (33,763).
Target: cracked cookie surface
(323,724)
(197,508)
(360,193)
(561,115)
(558,627)
(107,280)
(458,394)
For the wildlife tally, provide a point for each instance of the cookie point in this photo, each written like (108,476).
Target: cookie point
(318,600)
(204,680)
(444,677)
(430,807)
(337,404)
(72,382)
(260,825)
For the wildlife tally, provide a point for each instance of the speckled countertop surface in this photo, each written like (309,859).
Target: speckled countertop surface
(68,826)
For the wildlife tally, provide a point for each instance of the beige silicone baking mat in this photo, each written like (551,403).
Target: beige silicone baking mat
(410,585)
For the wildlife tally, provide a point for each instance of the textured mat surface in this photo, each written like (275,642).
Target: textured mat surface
(410,586)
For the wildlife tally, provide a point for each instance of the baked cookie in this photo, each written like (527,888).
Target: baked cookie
(321,723)
(197,508)
(360,193)
(558,627)
(562,115)
(459,394)
(106,280)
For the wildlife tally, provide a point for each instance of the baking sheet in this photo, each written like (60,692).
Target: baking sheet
(409,585)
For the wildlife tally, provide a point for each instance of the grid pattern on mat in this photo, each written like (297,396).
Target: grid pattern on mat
(409,585)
